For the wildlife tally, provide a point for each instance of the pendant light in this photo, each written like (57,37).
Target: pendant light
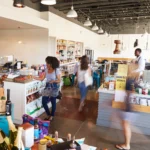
(100,31)
(48,2)
(105,33)
(19,3)
(87,23)
(72,13)
(95,27)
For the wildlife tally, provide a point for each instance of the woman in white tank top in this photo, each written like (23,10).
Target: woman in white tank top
(82,69)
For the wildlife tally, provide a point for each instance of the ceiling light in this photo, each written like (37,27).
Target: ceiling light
(87,23)
(72,13)
(145,33)
(95,27)
(19,42)
(19,3)
(100,30)
(105,33)
(48,2)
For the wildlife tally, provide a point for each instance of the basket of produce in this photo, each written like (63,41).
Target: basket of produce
(23,79)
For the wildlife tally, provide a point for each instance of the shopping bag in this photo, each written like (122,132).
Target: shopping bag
(88,79)
(43,125)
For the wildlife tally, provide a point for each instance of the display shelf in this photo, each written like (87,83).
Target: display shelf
(34,100)
(35,91)
(114,59)
(65,64)
(137,108)
(18,97)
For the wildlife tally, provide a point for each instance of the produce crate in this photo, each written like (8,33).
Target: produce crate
(23,79)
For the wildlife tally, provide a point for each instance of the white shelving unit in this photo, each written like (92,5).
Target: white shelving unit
(18,95)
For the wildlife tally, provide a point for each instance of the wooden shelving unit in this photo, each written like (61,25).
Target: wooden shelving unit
(114,59)
(137,108)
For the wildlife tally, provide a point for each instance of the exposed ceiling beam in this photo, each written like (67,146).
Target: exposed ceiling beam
(102,2)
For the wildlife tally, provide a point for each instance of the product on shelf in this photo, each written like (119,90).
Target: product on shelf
(8,104)
(4,141)
(23,79)
(32,97)
(36,130)
(2,105)
(18,145)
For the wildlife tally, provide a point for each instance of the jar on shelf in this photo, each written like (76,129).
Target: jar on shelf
(29,89)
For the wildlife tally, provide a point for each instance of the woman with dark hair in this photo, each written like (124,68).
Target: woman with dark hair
(82,70)
(52,74)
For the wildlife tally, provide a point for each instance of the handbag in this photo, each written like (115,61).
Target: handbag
(88,79)
(59,96)
(51,90)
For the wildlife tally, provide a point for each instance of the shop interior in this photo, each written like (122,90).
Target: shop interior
(108,33)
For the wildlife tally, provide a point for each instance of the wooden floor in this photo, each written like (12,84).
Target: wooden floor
(73,92)
(83,125)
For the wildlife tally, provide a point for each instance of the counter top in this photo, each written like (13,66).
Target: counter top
(105,91)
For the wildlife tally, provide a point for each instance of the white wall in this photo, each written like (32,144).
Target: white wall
(58,28)
(25,15)
(34,48)
(107,45)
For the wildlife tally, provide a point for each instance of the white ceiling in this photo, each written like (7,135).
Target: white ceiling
(11,24)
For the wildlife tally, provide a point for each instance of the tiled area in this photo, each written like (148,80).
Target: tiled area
(83,125)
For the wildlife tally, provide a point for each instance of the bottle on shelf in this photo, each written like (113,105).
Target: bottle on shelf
(8,104)
(56,137)
(18,145)
(4,141)
(13,130)
(69,137)
(36,130)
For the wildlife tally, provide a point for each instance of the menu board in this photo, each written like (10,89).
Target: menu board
(120,83)
(122,70)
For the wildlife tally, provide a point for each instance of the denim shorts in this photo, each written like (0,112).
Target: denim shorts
(83,90)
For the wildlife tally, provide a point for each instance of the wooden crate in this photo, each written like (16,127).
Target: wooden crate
(137,108)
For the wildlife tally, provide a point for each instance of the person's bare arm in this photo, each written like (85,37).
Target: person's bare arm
(57,80)
(41,78)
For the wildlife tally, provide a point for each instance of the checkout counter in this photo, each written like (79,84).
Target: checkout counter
(112,102)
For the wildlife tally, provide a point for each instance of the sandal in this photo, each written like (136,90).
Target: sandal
(47,118)
(121,147)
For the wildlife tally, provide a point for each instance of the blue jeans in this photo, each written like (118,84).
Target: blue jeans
(45,101)
(83,90)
